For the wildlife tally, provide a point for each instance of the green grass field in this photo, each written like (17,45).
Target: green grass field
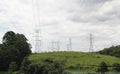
(90,61)
(74,58)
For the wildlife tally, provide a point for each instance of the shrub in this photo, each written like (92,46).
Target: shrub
(102,68)
(12,67)
(48,66)
(25,65)
(116,67)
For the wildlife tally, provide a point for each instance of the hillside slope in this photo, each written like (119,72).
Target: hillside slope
(74,58)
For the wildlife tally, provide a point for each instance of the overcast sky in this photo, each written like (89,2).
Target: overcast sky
(64,19)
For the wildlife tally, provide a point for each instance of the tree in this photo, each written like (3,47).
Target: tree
(17,40)
(23,46)
(14,47)
(12,67)
(102,68)
(116,67)
(9,38)
(7,55)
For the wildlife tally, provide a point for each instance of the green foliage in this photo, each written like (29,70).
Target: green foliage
(12,67)
(76,67)
(25,65)
(116,67)
(16,72)
(7,55)
(14,48)
(22,45)
(102,68)
(113,51)
(3,72)
(9,38)
(47,66)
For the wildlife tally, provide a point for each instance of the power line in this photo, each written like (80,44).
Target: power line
(34,12)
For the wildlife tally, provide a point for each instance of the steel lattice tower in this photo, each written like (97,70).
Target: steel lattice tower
(37,41)
(70,40)
(91,43)
(69,45)
(55,45)
(58,46)
(38,35)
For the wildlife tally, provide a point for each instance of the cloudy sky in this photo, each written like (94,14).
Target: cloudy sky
(60,20)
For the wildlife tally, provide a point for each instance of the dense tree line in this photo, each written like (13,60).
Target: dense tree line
(13,49)
(112,51)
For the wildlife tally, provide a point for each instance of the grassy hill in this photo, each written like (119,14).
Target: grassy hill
(75,58)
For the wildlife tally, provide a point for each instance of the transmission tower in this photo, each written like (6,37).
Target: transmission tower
(69,45)
(37,41)
(55,45)
(52,45)
(91,43)
(38,34)
(58,46)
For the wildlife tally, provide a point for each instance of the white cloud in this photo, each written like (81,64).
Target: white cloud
(61,19)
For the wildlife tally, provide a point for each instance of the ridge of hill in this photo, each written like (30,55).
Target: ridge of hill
(75,58)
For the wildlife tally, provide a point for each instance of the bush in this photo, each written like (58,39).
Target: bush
(12,67)
(116,67)
(102,68)
(77,66)
(48,66)
(25,65)
(15,72)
